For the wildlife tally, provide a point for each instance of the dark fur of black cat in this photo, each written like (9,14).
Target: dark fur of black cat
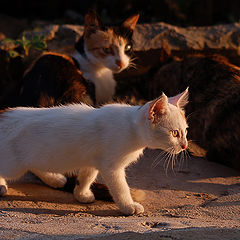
(11,71)
(214,104)
(55,79)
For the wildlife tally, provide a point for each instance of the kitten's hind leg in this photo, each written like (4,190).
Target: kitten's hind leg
(55,180)
(3,187)
(82,192)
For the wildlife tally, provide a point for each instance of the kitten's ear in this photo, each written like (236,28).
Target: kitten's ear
(157,108)
(91,23)
(180,100)
(131,22)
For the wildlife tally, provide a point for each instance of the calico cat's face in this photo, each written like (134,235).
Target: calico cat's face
(167,123)
(109,47)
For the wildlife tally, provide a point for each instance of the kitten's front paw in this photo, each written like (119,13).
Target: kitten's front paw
(3,190)
(83,197)
(134,208)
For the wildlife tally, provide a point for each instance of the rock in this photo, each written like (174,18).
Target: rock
(59,38)
(152,36)
(65,38)
(155,43)
(157,35)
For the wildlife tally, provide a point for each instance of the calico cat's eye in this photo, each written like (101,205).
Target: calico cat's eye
(175,133)
(128,47)
(107,50)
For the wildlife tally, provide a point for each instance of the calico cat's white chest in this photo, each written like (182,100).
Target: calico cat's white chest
(104,83)
(102,78)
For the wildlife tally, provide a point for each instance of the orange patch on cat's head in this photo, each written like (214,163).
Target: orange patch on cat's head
(98,39)
(103,39)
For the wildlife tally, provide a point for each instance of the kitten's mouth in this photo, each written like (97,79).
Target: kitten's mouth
(181,150)
(176,152)
(118,69)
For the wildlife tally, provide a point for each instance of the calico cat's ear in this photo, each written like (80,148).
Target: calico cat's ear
(91,23)
(157,108)
(180,100)
(131,22)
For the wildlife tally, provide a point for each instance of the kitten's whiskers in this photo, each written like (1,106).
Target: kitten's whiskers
(170,159)
(161,155)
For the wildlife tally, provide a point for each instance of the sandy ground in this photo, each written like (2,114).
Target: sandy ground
(198,200)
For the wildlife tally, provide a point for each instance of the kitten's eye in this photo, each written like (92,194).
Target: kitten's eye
(107,50)
(128,47)
(175,133)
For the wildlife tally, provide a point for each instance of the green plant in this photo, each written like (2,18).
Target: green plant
(36,42)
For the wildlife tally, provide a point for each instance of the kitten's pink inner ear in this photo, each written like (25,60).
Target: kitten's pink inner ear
(131,22)
(179,100)
(157,108)
(174,100)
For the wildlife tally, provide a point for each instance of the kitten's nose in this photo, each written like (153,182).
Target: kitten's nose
(119,63)
(184,146)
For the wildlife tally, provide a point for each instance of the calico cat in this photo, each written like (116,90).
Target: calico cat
(103,51)
(214,100)
(104,140)
(85,77)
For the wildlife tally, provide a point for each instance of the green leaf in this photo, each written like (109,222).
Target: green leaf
(26,49)
(23,42)
(8,40)
(39,43)
(38,38)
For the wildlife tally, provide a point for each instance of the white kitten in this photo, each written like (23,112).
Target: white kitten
(104,140)
(100,52)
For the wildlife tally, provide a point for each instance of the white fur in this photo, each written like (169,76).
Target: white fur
(67,138)
(3,186)
(54,180)
(101,76)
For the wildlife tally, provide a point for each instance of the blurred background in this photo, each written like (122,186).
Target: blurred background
(178,12)
(167,58)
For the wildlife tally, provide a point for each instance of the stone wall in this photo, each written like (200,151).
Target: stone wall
(155,45)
